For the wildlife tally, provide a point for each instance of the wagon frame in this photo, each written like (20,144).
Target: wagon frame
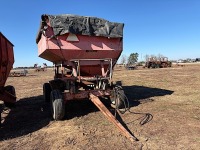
(76,86)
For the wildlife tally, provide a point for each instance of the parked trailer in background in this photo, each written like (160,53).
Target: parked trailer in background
(18,72)
(7,93)
(84,51)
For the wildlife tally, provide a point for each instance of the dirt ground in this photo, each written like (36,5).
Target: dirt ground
(165,114)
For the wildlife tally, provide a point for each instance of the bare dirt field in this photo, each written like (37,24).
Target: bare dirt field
(165,114)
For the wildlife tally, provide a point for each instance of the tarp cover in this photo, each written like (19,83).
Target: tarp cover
(82,25)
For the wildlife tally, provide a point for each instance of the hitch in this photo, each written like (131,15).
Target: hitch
(111,118)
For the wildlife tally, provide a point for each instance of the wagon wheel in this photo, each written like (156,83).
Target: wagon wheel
(1,108)
(11,90)
(163,65)
(46,92)
(57,105)
(117,98)
(157,66)
(149,65)
(153,65)
(170,64)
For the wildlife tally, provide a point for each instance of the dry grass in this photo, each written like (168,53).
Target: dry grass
(170,95)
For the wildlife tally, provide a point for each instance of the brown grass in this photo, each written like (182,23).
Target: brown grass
(170,95)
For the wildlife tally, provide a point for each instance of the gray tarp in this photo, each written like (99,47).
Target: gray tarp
(83,25)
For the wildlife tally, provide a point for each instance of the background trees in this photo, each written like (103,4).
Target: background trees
(133,58)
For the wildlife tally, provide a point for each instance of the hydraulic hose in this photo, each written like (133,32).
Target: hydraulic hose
(122,100)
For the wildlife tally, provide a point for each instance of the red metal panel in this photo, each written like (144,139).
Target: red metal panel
(87,48)
(58,49)
(6,58)
(6,64)
(50,46)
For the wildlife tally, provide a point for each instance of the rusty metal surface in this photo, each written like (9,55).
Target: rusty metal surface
(88,47)
(161,62)
(6,64)
(59,50)
(111,118)
(81,95)
(6,58)
(66,47)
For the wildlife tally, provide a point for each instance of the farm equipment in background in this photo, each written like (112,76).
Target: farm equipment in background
(7,93)
(18,72)
(84,51)
(40,68)
(162,62)
(131,66)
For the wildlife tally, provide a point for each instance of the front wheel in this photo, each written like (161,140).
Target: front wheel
(46,92)
(10,89)
(57,105)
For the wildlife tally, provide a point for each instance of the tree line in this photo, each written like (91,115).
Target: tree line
(133,58)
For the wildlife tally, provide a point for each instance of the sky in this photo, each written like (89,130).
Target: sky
(151,27)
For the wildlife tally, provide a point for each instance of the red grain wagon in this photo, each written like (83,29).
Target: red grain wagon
(84,51)
(7,93)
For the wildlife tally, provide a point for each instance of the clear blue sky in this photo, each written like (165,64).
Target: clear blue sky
(167,27)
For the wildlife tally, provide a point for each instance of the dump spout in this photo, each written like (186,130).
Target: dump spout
(111,118)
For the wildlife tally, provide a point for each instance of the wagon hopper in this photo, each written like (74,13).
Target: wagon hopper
(7,93)
(84,51)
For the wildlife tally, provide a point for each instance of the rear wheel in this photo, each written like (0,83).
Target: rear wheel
(169,64)
(10,89)
(1,108)
(57,105)
(46,92)
(148,65)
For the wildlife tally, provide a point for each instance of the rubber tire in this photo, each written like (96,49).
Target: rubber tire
(120,101)
(46,92)
(149,65)
(57,105)
(0,113)
(11,90)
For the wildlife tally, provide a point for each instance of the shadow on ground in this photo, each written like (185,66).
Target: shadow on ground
(32,114)
(29,115)
(141,94)
(79,108)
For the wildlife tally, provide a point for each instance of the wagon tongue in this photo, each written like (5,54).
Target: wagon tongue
(110,117)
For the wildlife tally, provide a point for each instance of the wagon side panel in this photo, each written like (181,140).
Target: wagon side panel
(6,58)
